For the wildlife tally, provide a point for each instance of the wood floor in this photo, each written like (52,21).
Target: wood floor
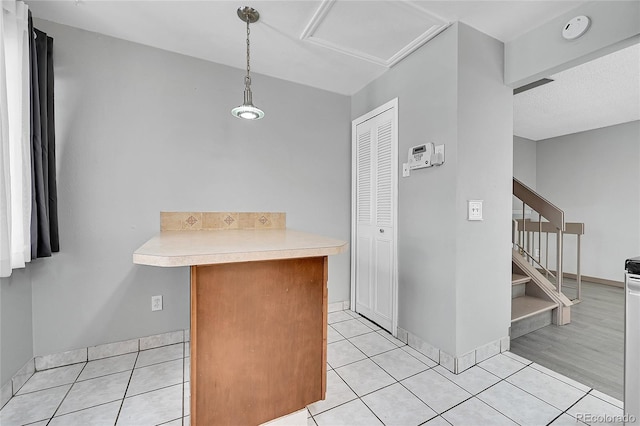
(591,348)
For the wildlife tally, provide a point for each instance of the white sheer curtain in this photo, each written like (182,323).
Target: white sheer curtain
(15,138)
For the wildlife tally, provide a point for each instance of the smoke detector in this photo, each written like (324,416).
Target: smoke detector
(576,27)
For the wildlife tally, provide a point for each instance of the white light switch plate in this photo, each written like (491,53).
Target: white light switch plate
(440,150)
(156,303)
(475,210)
(405,170)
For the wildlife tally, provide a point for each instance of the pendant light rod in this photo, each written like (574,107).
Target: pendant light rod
(247,110)
(247,81)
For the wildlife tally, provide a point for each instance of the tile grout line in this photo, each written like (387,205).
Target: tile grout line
(107,375)
(547,374)
(540,399)
(516,386)
(39,390)
(505,380)
(128,384)
(91,378)
(373,412)
(68,391)
(396,381)
(575,403)
(85,408)
(443,419)
(380,332)
(382,368)
(155,363)
(482,401)
(472,395)
(494,408)
(344,381)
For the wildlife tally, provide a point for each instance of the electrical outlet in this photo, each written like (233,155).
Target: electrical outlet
(537,253)
(156,303)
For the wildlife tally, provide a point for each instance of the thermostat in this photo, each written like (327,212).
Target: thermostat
(420,156)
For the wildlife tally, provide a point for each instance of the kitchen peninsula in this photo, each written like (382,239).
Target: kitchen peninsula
(258,312)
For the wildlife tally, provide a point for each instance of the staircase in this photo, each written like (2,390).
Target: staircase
(535,303)
(536,291)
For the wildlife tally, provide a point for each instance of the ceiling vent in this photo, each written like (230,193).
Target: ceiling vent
(532,85)
(380,32)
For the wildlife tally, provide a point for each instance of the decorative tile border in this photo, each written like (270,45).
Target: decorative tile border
(216,221)
(455,364)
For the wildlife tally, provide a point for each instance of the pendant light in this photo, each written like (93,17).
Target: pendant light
(247,110)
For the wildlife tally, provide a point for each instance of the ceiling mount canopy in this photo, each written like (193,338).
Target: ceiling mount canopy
(247,110)
(248,14)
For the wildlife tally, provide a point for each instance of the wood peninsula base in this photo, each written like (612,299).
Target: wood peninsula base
(258,312)
(258,339)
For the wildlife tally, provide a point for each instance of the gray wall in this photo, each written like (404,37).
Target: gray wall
(484,171)
(594,177)
(542,51)
(16,329)
(524,161)
(141,130)
(441,102)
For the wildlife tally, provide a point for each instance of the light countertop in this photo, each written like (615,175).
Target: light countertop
(187,248)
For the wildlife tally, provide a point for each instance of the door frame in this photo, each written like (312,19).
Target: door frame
(392,104)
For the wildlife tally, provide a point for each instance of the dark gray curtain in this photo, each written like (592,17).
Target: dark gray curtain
(44,212)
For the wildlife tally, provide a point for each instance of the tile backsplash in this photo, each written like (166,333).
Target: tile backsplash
(215,221)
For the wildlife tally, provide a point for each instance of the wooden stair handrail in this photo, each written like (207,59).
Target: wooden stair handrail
(546,209)
(571,228)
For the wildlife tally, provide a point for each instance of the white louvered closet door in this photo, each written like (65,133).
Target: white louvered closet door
(376,167)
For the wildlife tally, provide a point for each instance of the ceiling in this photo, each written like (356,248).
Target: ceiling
(600,93)
(335,45)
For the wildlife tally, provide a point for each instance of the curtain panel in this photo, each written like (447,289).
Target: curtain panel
(44,212)
(15,138)
(28,190)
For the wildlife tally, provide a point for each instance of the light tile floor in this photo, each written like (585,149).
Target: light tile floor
(372,379)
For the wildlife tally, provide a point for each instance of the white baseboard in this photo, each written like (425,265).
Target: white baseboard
(91,353)
(6,392)
(20,378)
(455,364)
(339,306)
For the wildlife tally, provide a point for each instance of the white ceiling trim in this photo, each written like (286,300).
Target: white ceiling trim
(325,8)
